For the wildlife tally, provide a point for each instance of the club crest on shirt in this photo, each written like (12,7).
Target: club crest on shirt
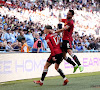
(65,24)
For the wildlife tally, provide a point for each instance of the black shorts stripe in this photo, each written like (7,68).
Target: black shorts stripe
(66,45)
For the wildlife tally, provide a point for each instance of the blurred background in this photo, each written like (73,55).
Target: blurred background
(27,18)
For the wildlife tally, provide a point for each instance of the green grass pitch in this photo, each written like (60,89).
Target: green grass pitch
(83,81)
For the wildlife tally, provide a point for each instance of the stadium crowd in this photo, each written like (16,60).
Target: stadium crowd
(21,19)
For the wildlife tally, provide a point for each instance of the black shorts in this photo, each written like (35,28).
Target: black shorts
(66,45)
(59,58)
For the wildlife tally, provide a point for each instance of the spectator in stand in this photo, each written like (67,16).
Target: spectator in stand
(38,46)
(44,42)
(12,34)
(18,46)
(76,41)
(74,48)
(98,43)
(19,37)
(93,45)
(1,35)
(9,45)
(79,47)
(29,38)
(7,35)
(2,46)
(24,47)
(80,40)
(85,44)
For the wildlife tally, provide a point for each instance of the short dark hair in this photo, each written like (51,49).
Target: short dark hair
(48,27)
(23,38)
(72,11)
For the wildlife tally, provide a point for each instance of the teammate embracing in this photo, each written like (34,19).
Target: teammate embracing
(55,57)
(67,40)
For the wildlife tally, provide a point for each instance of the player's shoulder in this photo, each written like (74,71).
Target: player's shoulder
(47,37)
(71,22)
(50,35)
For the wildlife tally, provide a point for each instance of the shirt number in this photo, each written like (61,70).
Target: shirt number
(68,46)
(56,40)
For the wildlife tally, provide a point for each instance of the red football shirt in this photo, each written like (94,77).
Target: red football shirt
(67,34)
(53,43)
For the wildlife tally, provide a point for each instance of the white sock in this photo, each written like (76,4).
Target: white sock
(65,78)
(41,81)
(45,70)
(75,65)
(66,58)
(72,55)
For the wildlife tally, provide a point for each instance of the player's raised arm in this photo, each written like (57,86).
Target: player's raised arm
(64,28)
(60,30)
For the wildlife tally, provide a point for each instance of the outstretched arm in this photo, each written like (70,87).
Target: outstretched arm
(60,30)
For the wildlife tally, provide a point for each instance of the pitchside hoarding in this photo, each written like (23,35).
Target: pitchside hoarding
(16,66)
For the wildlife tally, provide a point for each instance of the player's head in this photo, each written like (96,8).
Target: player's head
(47,29)
(70,14)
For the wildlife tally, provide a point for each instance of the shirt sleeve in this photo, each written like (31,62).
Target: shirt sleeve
(63,20)
(50,46)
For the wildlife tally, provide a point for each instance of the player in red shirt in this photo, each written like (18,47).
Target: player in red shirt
(67,40)
(55,57)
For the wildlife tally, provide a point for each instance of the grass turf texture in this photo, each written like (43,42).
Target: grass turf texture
(83,81)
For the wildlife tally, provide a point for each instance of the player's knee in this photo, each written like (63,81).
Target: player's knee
(56,67)
(70,52)
(64,57)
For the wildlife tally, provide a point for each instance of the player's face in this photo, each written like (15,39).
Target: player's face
(69,15)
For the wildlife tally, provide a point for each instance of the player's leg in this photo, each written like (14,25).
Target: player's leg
(68,45)
(68,59)
(59,70)
(75,59)
(45,70)
(61,74)
(65,46)
(59,60)
(46,66)
(40,82)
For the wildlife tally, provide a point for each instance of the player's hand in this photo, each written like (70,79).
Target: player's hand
(66,27)
(54,59)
